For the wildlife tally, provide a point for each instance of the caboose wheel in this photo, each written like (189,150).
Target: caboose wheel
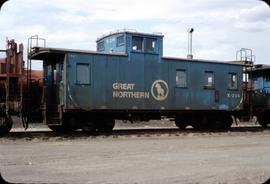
(89,129)
(221,122)
(55,128)
(201,123)
(60,128)
(181,124)
(263,119)
(216,123)
(68,125)
(5,124)
(264,125)
(87,125)
(105,125)
(228,121)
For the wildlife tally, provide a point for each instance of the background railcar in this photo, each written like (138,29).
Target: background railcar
(128,78)
(20,94)
(259,83)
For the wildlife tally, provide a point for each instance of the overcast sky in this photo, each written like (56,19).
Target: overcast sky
(221,26)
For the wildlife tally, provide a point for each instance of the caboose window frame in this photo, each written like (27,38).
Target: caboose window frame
(120,40)
(232,81)
(181,78)
(83,76)
(101,46)
(151,45)
(209,80)
(137,41)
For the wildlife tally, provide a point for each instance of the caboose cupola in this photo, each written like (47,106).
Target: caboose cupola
(131,42)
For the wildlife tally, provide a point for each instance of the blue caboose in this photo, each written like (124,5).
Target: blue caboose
(128,78)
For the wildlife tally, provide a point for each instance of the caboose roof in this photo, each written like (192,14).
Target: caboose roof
(133,32)
(41,52)
(202,60)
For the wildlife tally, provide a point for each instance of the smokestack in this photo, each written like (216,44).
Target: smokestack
(189,55)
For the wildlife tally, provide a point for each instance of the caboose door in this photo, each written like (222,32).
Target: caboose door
(53,91)
(53,79)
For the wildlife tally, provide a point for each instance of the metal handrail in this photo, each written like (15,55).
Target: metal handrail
(245,54)
(32,42)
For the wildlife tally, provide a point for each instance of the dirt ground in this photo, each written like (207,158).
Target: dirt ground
(221,157)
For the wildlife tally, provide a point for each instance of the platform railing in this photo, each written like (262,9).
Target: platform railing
(33,43)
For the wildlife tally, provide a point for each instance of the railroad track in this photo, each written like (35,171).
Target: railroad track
(134,132)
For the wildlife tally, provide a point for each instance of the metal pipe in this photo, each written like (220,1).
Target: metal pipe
(190,31)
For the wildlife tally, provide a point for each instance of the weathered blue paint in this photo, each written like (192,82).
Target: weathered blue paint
(142,71)
(136,73)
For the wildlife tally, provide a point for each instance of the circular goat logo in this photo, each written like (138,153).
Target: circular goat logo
(159,90)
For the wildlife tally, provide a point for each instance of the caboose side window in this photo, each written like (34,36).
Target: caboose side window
(120,40)
(83,73)
(101,46)
(232,81)
(150,45)
(137,43)
(181,78)
(209,80)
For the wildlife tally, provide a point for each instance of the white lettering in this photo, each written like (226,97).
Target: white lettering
(126,90)
(123,86)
